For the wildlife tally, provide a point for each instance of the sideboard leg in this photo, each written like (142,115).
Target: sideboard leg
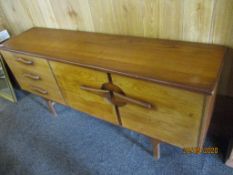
(229,161)
(156,148)
(51,107)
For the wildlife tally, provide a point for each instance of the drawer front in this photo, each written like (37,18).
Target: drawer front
(175,116)
(70,78)
(34,75)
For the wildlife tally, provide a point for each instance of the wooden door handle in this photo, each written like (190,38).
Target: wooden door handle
(31,76)
(24,61)
(132,100)
(98,91)
(113,98)
(39,90)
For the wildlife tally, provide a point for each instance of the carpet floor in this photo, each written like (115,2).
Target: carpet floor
(32,142)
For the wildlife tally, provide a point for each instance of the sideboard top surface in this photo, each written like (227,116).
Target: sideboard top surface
(191,66)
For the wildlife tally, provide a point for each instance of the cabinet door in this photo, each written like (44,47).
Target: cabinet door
(70,79)
(175,116)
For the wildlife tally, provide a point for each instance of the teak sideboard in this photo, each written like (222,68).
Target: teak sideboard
(160,88)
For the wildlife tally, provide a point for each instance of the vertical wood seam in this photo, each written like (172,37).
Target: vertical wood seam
(92,20)
(117,112)
(53,14)
(58,85)
(183,22)
(199,139)
(213,18)
(28,13)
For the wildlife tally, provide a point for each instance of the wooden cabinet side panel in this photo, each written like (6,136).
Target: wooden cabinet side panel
(207,115)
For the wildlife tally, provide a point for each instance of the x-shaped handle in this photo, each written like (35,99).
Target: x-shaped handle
(115,97)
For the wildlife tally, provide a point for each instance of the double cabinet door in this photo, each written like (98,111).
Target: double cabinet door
(168,114)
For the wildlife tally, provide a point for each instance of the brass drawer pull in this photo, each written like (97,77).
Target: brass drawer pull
(132,100)
(31,76)
(24,61)
(39,90)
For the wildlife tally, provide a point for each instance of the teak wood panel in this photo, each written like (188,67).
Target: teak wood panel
(191,66)
(207,113)
(175,117)
(70,78)
(39,67)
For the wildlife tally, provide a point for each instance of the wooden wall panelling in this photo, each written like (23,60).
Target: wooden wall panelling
(223,24)
(198,18)
(151,18)
(47,13)
(3,23)
(17,17)
(34,12)
(72,14)
(103,16)
(192,20)
(170,19)
(129,16)
(1,20)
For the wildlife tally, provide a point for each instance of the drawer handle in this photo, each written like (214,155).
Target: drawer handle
(132,100)
(100,92)
(39,90)
(24,61)
(113,98)
(31,76)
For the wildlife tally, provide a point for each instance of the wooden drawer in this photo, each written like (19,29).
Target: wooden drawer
(29,63)
(175,116)
(43,91)
(70,78)
(34,75)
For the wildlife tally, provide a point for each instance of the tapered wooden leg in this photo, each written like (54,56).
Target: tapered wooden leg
(51,107)
(156,148)
(229,161)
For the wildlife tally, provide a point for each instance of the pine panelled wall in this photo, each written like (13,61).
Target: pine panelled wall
(209,21)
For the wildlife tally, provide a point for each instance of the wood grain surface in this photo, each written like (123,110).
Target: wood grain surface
(70,78)
(191,66)
(175,116)
(39,67)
